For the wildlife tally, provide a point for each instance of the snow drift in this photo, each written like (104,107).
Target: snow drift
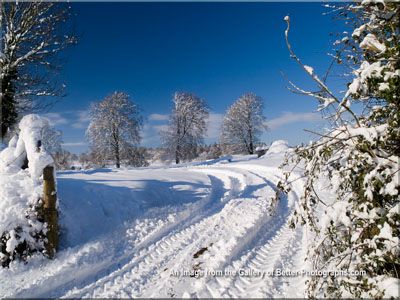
(279,146)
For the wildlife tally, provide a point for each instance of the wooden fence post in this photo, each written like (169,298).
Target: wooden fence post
(50,213)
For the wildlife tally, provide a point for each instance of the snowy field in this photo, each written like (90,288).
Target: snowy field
(170,232)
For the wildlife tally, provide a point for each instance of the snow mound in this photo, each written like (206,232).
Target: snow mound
(21,231)
(279,146)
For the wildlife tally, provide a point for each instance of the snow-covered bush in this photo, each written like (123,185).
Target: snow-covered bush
(22,230)
(358,229)
(137,157)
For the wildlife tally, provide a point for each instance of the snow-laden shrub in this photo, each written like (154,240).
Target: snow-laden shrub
(358,229)
(137,157)
(22,231)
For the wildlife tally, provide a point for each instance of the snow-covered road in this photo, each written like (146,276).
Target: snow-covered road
(170,232)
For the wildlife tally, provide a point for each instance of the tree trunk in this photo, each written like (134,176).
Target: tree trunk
(178,146)
(177,155)
(251,144)
(117,158)
(116,140)
(251,148)
(9,114)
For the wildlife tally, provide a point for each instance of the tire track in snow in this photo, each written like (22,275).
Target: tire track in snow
(280,247)
(193,286)
(230,223)
(148,260)
(113,260)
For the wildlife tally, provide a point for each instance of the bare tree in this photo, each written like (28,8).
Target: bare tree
(32,36)
(114,127)
(187,126)
(243,124)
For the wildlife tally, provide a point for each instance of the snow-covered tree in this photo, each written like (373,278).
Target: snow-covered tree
(243,124)
(114,127)
(32,36)
(51,139)
(358,229)
(187,126)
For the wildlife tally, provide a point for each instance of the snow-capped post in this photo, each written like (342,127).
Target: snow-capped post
(48,208)
(50,213)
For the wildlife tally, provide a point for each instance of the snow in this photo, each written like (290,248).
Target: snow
(123,233)
(365,2)
(365,72)
(261,148)
(21,190)
(137,232)
(310,70)
(383,86)
(390,285)
(17,192)
(359,30)
(31,130)
(279,146)
(370,42)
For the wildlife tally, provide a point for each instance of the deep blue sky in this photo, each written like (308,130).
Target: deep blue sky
(216,50)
